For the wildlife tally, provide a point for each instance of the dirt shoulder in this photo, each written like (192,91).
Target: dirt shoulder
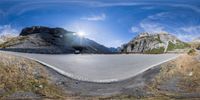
(22,78)
(179,79)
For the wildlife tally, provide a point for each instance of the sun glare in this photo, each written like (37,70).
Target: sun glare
(81,34)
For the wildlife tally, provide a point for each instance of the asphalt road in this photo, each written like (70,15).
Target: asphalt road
(99,68)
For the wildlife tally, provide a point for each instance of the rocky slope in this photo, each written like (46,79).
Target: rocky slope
(196,43)
(40,39)
(6,37)
(154,43)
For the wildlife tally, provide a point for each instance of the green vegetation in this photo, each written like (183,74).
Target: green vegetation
(192,52)
(20,74)
(155,51)
(158,39)
(179,45)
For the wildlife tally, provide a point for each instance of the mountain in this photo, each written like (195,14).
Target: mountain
(197,40)
(196,43)
(41,39)
(115,50)
(154,43)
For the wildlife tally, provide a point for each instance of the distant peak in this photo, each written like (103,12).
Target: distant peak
(196,39)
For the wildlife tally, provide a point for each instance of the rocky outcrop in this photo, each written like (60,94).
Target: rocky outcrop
(153,43)
(40,39)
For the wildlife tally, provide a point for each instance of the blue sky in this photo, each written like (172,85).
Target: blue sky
(109,22)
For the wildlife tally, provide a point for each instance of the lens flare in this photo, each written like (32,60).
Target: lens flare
(81,33)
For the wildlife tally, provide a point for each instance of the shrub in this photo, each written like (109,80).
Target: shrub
(192,52)
(158,39)
(181,45)
(155,51)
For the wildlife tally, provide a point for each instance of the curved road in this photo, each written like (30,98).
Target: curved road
(99,68)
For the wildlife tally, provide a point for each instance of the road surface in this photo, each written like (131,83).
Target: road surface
(99,68)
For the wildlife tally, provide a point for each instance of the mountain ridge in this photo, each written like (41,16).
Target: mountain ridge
(153,43)
(41,39)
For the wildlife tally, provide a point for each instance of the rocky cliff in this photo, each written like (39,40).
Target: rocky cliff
(153,43)
(40,39)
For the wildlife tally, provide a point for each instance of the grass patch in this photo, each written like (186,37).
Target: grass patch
(179,45)
(155,51)
(20,74)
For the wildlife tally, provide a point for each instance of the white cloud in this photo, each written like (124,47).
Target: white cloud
(135,29)
(191,29)
(25,6)
(188,33)
(152,27)
(95,17)
(149,24)
(35,4)
(155,24)
(158,16)
(185,37)
(180,5)
(184,33)
(8,30)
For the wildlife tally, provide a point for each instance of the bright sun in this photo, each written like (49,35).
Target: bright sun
(81,33)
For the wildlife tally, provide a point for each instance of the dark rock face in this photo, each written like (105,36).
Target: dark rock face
(43,29)
(42,39)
